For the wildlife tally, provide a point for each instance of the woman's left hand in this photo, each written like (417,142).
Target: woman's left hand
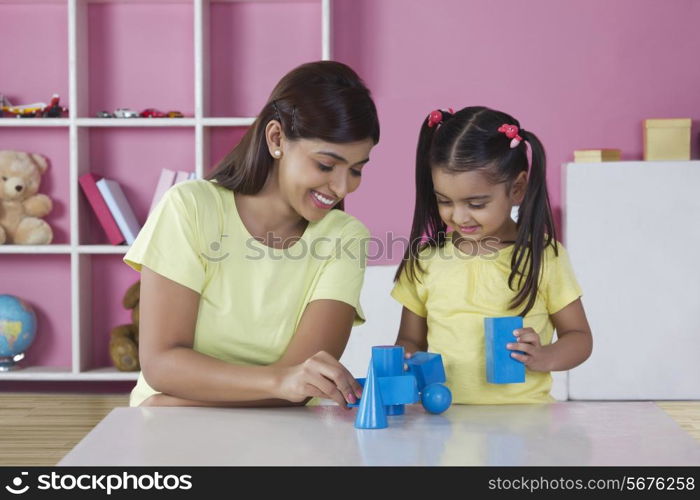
(535,356)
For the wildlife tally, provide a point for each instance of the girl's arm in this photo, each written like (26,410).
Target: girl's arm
(185,377)
(575,342)
(413,332)
(573,347)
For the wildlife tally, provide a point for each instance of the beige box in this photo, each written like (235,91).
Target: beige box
(596,155)
(667,139)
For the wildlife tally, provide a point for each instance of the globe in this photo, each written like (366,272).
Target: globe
(17,330)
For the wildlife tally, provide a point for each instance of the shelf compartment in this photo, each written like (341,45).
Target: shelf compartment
(53,144)
(134,158)
(116,78)
(105,280)
(36,61)
(44,282)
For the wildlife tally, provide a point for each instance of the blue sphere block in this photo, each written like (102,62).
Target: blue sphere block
(436,398)
(501,367)
(427,367)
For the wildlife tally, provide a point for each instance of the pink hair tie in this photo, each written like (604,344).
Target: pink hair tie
(435,117)
(511,132)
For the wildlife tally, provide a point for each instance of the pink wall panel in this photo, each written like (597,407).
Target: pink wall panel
(43,281)
(221,141)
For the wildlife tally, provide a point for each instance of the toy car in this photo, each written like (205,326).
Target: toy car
(174,114)
(125,113)
(152,113)
(104,114)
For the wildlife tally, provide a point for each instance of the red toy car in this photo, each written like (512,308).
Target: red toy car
(152,113)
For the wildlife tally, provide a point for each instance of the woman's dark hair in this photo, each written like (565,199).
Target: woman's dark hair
(469,140)
(323,100)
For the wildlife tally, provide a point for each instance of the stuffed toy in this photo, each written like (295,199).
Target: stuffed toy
(124,339)
(20,205)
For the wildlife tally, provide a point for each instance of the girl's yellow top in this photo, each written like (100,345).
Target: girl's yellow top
(252,296)
(457,291)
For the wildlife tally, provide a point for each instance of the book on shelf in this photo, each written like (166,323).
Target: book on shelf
(88,184)
(181,176)
(167,179)
(121,210)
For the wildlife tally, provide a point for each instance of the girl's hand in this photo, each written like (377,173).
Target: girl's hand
(320,376)
(535,356)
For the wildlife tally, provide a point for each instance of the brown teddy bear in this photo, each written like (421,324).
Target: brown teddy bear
(20,205)
(124,339)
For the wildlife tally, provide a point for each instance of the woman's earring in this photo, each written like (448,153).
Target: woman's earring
(277,153)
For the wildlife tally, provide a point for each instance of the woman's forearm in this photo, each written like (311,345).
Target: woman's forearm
(184,373)
(570,350)
(168,400)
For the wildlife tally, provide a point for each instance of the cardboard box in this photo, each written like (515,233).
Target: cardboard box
(596,155)
(667,139)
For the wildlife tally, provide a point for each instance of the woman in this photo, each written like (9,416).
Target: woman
(250,279)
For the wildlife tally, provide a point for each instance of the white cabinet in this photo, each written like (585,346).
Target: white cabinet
(633,233)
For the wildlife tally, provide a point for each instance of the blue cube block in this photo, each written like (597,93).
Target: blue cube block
(401,390)
(501,368)
(427,367)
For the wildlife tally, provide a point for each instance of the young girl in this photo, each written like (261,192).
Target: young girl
(243,300)
(469,260)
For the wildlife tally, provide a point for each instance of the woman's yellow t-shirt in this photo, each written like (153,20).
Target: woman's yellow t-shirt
(252,296)
(457,291)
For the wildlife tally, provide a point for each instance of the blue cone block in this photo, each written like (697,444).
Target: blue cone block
(371,414)
(427,367)
(501,368)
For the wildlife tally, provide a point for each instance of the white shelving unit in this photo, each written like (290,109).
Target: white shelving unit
(78,126)
(632,235)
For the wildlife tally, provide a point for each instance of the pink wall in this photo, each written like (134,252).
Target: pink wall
(281,36)
(579,74)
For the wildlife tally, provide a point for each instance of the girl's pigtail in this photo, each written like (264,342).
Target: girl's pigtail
(536,230)
(427,227)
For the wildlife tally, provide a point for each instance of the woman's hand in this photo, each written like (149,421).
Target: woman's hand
(320,376)
(536,356)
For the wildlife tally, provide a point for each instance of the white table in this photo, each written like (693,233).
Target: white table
(571,433)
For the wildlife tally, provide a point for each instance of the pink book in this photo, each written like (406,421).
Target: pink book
(88,183)
(167,179)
